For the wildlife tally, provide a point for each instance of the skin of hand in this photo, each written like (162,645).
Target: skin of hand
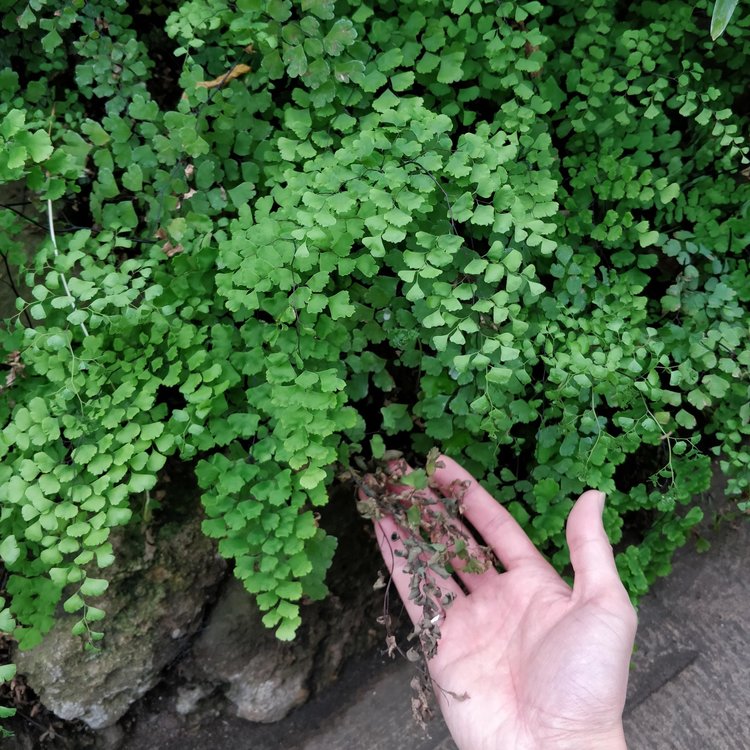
(543,665)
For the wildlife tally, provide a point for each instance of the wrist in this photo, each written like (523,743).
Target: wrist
(612,740)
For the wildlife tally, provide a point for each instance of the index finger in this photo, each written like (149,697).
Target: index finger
(496,525)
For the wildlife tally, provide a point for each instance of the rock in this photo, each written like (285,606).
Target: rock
(110,738)
(196,683)
(263,677)
(188,698)
(155,602)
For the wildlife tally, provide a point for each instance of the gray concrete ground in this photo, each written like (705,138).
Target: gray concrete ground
(689,686)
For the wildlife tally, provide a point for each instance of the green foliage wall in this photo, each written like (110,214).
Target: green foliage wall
(515,231)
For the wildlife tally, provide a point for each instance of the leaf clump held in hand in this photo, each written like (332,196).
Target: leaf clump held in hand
(432,542)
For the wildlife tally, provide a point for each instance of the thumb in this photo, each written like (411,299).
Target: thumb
(590,550)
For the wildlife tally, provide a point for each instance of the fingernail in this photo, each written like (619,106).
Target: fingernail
(602,500)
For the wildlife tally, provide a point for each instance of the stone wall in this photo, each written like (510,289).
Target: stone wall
(184,641)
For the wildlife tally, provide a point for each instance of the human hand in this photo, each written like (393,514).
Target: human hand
(543,665)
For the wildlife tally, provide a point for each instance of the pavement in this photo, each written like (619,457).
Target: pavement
(689,686)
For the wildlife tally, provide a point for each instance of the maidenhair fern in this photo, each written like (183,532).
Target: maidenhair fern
(284,234)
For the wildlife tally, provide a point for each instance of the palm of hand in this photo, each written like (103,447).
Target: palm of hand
(538,665)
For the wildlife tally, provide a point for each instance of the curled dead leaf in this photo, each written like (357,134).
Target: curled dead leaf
(168,248)
(238,70)
(413,655)
(171,250)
